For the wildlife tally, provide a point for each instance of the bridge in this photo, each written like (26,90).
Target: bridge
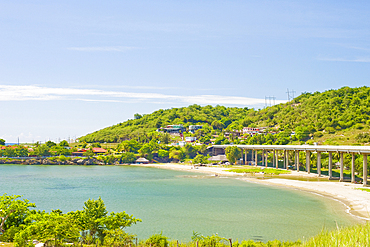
(264,150)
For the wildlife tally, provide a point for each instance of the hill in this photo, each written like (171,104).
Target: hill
(332,117)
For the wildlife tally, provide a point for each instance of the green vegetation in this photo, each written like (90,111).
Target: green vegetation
(233,153)
(333,117)
(363,189)
(253,169)
(350,236)
(93,226)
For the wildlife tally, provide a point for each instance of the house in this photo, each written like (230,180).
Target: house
(190,139)
(250,131)
(99,150)
(172,129)
(193,128)
(81,152)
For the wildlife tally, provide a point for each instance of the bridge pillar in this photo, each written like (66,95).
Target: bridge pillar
(277,159)
(263,157)
(266,160)
(245,157)
(284,159)
(256,158)
(319,164)
(353,178)
(330,165)
(341,177)
(365,170)
(273,158)
(308,162)
(296,160)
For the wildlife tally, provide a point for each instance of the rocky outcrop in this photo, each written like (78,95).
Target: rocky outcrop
(48,161)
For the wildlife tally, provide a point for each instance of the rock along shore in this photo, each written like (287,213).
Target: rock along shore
(48,161)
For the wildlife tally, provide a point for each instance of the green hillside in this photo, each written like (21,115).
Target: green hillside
(333,117)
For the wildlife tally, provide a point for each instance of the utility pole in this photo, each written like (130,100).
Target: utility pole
(271,100)
(290,94)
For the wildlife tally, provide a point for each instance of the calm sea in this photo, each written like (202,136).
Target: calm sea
(177,203)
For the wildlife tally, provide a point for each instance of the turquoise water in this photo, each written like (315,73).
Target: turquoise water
(178,203)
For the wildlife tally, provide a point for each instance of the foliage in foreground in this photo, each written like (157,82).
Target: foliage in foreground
(358,236)
(93,224)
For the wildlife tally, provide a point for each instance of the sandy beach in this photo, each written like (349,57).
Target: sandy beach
(357,202)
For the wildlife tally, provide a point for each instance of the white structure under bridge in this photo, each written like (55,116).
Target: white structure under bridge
(260,152)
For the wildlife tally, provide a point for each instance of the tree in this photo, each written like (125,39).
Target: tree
(64,143)
(42,150)
(176,154)
(157,240)
(117,238)
(9,152)
(107,159)
(233,153)
(21,151)
(189,151)
(89,153)
(166,138)
(13,213)
(301,133)
(129,146)
(146,150)
(2,142)
(96,145)
(137,116)
(53,227)
(200,159)
(217,125)
(61,150)
(50,144)
(94,220)
(127,158)
(163,153)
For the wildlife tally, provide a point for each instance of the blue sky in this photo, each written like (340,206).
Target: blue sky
(68,68)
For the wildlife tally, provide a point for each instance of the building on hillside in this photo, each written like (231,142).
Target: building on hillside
(99,150)
(172,129)
(193,128)
(82,152)
(251,131)
(190,139)
(233,133)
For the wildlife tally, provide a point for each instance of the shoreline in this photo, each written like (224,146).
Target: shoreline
(356,202)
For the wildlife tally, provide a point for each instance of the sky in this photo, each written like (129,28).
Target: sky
(69,68)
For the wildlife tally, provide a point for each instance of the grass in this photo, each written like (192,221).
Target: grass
(253,169)
(358,236)
(363,189)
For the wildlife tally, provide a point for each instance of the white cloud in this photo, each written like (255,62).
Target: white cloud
(103,48)
(22,93)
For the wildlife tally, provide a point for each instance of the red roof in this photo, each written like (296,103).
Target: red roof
(99,150)
(3,147)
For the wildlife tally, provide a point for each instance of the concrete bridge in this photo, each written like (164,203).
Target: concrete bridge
(308,149)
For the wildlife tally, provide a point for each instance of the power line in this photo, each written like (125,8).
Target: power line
(290,94)
(271,100)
